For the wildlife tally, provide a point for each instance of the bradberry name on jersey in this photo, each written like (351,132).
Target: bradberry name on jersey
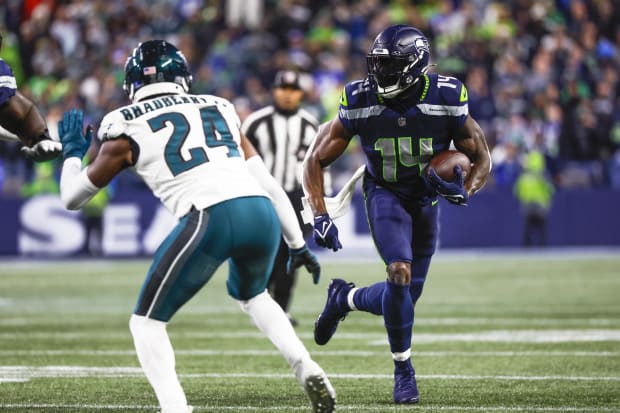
(137,110)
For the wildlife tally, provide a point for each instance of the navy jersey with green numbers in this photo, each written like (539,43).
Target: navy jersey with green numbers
(399,144)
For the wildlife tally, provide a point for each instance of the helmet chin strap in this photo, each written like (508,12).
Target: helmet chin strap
(398,91)
(393,93)
(161,88)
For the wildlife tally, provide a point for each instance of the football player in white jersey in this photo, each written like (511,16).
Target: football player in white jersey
(190,152)
(21,121)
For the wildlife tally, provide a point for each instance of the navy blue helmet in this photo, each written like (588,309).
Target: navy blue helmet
(155,61)
(398,58)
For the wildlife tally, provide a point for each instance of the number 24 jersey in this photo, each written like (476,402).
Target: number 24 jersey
(186,149)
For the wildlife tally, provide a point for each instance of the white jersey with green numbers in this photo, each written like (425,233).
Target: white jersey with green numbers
(186,149)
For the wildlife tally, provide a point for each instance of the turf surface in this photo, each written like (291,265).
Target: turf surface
(493,333)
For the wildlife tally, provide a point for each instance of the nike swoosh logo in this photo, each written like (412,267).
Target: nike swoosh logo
(325,227)
(433,203)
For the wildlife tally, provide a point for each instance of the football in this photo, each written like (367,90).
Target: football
(444,162)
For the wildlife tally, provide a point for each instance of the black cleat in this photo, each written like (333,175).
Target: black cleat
(336,309)
(405,387)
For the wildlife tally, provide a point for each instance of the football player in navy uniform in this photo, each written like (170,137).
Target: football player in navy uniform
(402,115)
(21,121)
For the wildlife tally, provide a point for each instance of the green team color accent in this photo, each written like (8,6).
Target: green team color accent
(427,83)
(343,98)
(463,94)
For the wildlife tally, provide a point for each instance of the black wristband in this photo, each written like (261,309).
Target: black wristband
(45,136)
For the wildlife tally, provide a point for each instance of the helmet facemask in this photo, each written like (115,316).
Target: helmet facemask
(393,75)
(399,57)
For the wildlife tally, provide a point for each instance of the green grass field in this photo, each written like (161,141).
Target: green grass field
(493,333)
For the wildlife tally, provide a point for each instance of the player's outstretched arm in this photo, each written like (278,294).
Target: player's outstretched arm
(472,142)
(331,141)
(299,254)
(20,117)
(77,185)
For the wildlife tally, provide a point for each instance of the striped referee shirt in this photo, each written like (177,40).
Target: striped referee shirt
(282,140)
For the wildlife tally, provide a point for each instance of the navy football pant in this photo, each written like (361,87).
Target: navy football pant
(245,231)
(402,232)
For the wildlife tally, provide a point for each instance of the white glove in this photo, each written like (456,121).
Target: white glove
(42,151)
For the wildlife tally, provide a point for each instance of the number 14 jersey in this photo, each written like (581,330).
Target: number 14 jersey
(398,141)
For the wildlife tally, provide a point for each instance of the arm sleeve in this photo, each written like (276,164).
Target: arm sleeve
(290,227)
(76,189)
(456,101)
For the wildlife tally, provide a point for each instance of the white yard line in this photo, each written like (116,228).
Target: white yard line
(340,407)
(29,372)
(377,339)
(325,353)
(35,319)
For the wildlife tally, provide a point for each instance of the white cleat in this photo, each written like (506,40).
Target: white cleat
(317,386)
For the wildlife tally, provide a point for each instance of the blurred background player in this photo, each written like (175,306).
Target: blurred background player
(190,152)
(20,119)
(282,133)
(402,115)
(534,191)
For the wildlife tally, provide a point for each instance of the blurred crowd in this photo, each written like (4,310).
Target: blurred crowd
(542,75)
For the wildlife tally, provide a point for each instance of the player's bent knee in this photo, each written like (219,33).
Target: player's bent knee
(399,273)
(141,326)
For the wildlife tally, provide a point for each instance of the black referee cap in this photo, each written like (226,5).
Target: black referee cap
(287,78)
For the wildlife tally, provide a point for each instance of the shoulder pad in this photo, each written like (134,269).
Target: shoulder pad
(354,93)
(5,69)
(225,107)
(216,100)
(451,90)
(112,126)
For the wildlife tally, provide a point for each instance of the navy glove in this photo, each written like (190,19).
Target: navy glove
(74,143)
(325,232)
(303,256)
(453,191)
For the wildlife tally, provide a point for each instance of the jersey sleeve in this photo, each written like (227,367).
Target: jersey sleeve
(8,85)
(457,101)
(348,113)
(227,109)
(112,126)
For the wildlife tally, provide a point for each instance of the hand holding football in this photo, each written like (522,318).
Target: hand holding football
(444,162)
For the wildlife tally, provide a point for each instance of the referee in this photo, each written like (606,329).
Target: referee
(282,133)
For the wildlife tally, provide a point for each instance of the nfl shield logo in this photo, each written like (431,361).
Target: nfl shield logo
(402,121)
